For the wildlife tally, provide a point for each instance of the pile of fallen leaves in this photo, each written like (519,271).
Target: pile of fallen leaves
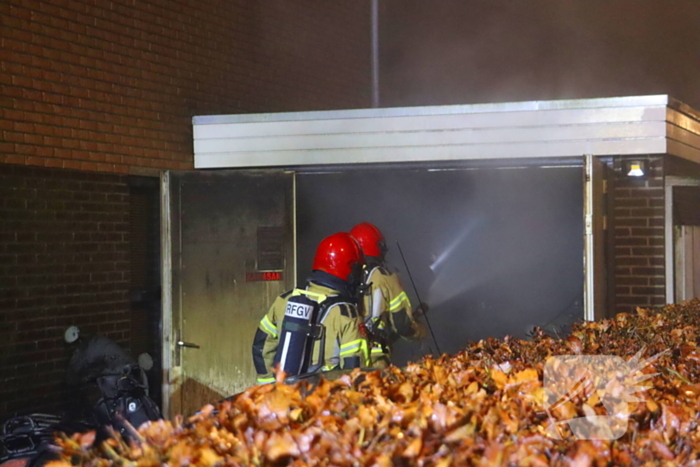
(487,406)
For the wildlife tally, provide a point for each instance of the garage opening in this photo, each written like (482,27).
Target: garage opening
(493,251)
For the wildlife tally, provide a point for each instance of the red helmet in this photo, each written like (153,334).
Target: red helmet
(338,255)
(370,239)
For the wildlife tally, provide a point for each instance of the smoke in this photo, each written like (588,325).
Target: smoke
(492,252)
(457,52)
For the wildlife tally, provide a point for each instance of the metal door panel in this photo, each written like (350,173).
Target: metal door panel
(696,262)
(216,218)
(687,274)
(595,295)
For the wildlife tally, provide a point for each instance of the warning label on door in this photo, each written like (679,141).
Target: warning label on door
(263,276)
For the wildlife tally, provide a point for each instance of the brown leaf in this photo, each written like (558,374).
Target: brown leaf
(281,445)
(407,391)
(460,433)
(662,450)
(441,412)
(414,448)
(499,378)
(58,464)
(208,457)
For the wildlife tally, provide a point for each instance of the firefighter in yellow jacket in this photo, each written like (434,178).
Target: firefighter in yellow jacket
(316,328)
(386,308)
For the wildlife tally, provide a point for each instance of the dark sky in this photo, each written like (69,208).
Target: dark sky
(471,51)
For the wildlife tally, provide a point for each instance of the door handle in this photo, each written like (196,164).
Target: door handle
(188,344)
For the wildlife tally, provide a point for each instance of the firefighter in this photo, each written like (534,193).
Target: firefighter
(316,328)
(385,306)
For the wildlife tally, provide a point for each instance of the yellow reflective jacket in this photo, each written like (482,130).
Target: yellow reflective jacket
(387,308)
(342,334)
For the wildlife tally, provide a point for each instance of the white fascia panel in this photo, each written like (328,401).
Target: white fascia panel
(577,104)
(288,158)
(434,137)
(633,125)
(399,123)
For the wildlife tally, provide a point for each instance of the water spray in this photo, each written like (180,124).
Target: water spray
(415,289)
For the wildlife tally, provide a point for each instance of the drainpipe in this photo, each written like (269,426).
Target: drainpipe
(375,52)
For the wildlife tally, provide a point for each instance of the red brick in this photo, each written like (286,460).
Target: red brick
(647,232)
(188,53)
(651,271)
(623,251)
(656,182)
(632,202)
(141,91)
(71,164)
(633,300)
(631,241)
(622,271)
(633,281)
(657,281)
(646,212)
(648,251)
(630,221)
(656,241)
(632,261)
(639,235)
(648,290)
(45,279)
(647,193)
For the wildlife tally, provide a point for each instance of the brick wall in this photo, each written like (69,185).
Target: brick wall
(112,86)
(638,220)
(109,88)
(63,261)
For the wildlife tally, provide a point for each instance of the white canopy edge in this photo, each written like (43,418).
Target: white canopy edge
(606,126)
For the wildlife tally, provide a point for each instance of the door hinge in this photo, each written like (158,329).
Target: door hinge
(605,187)
(605,222)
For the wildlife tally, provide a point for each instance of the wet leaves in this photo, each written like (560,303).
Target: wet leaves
(485,406)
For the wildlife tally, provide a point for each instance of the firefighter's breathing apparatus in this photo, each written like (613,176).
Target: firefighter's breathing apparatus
(301,326)
(415,289)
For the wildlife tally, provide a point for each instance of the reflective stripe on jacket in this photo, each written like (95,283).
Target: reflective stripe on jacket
(387,305)
(342,335)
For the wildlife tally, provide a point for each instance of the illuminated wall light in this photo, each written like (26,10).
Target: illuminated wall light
(636,168)
(635,171)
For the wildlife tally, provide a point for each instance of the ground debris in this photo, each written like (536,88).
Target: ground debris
(488,405)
